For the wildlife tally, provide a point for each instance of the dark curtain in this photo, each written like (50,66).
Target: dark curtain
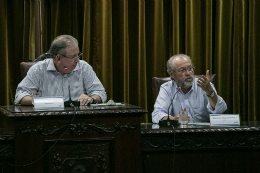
(127,42)
(16,45)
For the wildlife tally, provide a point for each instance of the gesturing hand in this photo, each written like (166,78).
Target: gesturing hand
(204,83)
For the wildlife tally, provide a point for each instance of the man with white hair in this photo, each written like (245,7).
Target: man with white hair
(197,95)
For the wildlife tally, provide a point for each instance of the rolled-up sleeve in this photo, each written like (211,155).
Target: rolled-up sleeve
(28,86)
(220,107)
(92,85)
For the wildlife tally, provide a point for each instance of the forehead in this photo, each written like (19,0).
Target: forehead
(72,50)
(180,62)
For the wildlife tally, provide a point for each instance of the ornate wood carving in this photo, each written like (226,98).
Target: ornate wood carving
(101,163)
(80,156)
(201,143)
(202,129)
(77,129)
(6,151)
(78,112)
(76,165)
(56,164)
(7,138)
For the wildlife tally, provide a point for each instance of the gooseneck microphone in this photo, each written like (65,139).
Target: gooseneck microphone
(168,122)
(65,69)
(70,103)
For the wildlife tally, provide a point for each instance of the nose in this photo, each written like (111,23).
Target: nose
(77,59)
(188,72)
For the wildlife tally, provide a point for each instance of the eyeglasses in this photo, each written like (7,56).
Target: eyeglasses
(183,70)
(79,56)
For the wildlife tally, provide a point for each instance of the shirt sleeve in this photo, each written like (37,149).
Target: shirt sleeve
(92,85)
(161,105)
(221,105)
(29,85)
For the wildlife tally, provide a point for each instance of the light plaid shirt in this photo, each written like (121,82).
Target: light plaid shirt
(43,79)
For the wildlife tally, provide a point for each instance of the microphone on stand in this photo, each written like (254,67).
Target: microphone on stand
(70,103)
(168,122)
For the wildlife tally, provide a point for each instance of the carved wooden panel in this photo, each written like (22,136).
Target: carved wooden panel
(186,141)
(71,112)
(7,153)
(206,143)
(77,129)
(80,156)
(199,129)
(6,150)
(201,149)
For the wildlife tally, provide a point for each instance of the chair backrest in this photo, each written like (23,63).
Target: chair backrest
(158,81)
(24,67)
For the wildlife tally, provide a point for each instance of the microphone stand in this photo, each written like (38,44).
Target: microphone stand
(70,103)
(168,122)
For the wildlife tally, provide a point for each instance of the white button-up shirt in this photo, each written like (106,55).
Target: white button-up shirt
(196,101)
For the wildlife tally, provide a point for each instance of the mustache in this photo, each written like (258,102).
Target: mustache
(190,76)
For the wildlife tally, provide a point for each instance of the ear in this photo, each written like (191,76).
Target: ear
(172,76)
(58,58)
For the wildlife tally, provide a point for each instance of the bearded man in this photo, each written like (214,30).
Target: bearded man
(197,95)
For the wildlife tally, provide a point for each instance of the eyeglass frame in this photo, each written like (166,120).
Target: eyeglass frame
(184,70)
(79,56)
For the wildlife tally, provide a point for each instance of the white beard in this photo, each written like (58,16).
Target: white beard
(185,84)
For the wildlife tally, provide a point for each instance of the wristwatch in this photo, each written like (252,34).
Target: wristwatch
(212,94)
(94,99)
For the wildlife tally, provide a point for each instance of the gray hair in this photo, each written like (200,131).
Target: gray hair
(170,65)
(60,43)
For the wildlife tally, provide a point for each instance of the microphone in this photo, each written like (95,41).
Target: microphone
(168,122)
(70,102)
(42,57)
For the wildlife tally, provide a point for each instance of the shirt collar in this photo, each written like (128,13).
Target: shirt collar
(51,66)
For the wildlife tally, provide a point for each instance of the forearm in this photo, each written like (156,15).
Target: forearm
(213,101)
(220,106)
(27,100)
(171,117)
(98,99)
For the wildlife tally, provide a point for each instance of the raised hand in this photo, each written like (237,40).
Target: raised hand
(204,83)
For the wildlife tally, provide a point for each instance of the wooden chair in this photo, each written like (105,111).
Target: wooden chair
(158,81)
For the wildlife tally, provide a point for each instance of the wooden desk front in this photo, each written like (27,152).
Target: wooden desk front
(201,149)
(99,139)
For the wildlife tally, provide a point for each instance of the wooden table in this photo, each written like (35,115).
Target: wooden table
(95,138)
